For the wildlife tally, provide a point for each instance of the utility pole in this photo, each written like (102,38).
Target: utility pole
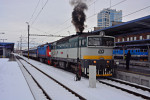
(28,37)
(21,45)
(18,47)
(3,39)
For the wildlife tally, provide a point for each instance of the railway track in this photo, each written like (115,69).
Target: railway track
(43,74)
(128,87)
(43,91)
(121,87)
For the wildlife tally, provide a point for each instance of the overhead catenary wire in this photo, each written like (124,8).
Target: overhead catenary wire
(134,12)
(87,17)
(93,14)
(117,3)
(60,24)
(71,18)
(111,6)
(46,33)
(64,23)
(108,7)
(34,11)
(39,12)
(98,12)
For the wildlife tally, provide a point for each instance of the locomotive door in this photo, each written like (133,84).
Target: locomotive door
(79,49)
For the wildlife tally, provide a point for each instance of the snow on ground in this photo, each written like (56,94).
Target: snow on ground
(146,93)
(13,85)
(36,91)
(53,89)
(101,91)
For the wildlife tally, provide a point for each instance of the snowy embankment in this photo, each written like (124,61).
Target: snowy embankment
(146,93)
(101,91)
(36,91)
(13,85)
(53,89)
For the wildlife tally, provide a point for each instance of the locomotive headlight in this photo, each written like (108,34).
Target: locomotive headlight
(108,61)
(94,62)
(117,63)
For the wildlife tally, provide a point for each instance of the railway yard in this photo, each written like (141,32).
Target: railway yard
(44,82)
(57,58)
(61,70)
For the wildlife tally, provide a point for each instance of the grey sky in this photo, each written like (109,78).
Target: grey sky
(15,13)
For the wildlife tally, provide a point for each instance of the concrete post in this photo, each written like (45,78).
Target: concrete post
(92,76)
(3,52)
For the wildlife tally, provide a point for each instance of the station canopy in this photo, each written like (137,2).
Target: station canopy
(136,25)
(7,45)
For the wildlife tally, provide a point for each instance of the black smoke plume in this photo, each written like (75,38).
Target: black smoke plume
(78,15)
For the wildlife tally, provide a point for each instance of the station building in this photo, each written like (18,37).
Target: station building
(131,34)
(6,49)
(107,16)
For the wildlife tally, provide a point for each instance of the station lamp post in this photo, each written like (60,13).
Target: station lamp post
(3,39)
(28,37)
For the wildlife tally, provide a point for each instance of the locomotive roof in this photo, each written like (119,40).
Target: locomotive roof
(43,45)
(78,34)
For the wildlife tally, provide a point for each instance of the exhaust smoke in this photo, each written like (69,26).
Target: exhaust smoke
(78,15)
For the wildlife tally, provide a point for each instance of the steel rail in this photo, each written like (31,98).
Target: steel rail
(70,90)
(44,92)
(126,90)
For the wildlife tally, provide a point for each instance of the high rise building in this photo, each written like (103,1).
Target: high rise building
(107,16)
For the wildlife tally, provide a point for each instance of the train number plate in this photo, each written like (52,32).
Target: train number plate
(101,51)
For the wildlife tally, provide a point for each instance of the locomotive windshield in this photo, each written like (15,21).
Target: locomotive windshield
(100,41)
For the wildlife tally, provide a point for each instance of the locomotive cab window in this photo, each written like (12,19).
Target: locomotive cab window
(94,41)
(100,41)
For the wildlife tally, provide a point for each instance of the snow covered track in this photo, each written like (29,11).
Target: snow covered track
(48,83)
(35,82)
(128,87)
(130,84)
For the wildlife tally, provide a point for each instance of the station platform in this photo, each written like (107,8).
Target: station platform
(13,85)
(135,70)
(135,74)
